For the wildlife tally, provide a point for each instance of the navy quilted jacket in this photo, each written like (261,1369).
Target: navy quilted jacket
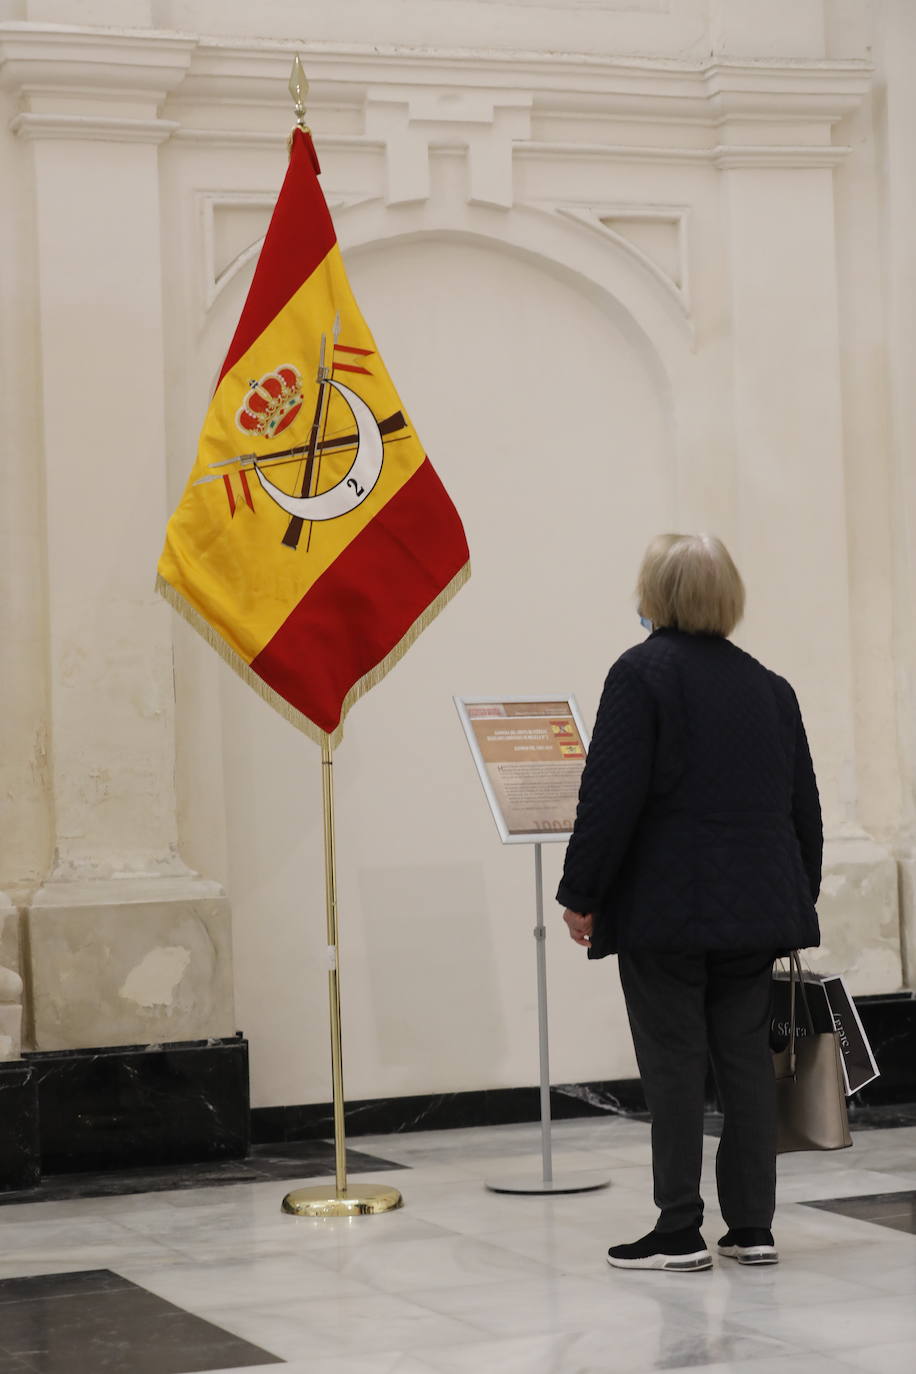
(698,825)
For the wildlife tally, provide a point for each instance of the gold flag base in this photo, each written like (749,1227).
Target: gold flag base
(326,1201)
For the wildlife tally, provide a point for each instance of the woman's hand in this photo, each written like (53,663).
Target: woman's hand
(580,927)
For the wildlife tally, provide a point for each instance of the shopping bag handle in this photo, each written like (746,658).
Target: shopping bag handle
(796,979)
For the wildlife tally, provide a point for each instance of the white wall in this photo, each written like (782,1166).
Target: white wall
(652,284)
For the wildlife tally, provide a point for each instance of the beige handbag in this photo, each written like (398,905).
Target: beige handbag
(811,1101)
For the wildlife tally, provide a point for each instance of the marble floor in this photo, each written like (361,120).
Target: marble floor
(462,1279)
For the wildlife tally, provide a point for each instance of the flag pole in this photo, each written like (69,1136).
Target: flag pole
(367,1198)
(330,869)
(342,1201)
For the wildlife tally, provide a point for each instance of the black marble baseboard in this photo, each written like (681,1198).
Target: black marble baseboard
(19,1145)
(134,1105)
(445,1111)
(889,1020)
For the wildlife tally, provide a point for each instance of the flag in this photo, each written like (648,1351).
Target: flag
(314,541)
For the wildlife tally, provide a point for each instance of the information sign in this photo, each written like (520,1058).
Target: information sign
(529,752)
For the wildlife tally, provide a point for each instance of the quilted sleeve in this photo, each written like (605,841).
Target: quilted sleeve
(615,783)
(806,809)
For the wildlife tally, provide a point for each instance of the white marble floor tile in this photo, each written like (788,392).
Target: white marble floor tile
(87,1244)
(384,1362)
(839,1325)
(451,1262)
(807,1363)
(568,1248)
(571,1352)
(524,1163)
(560,1303)
(316,1233)
(540,1354)
(817,1162)
(733,1291)
(216,1233)
(870,1263)
(476,1211)
(882,1150)
(114,1208)
(637,1178)
(338,1326)
(887,1273)
(633,1350)
(898,1357)
(245,1279)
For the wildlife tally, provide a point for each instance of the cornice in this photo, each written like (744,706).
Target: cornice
(638,86)
(803,155)
(50,64)
(92,127)
(48,57)
(265,138)
(208,59)
(723,156)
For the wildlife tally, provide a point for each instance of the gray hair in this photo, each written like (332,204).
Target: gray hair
(689,582)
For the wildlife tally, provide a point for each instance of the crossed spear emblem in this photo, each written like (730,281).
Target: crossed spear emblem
(317,444)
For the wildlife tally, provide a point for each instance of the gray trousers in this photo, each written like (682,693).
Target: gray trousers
(685,1009)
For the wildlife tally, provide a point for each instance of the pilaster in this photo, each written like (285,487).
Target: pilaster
(793,522)
(897,39)
(126,945)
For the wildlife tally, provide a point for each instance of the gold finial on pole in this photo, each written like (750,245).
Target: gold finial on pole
(299,89)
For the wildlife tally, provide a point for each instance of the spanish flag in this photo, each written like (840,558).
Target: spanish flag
(314,541)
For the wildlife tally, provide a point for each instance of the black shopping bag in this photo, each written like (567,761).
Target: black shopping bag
(858,1062)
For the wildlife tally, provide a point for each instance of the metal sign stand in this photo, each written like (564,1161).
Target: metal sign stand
(582,1181)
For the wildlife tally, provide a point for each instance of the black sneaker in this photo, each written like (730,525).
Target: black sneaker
(749,1245)
(684,1251)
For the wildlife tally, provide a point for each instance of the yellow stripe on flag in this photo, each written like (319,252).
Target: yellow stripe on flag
(242,579)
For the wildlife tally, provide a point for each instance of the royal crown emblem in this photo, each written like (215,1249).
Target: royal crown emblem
(272,403)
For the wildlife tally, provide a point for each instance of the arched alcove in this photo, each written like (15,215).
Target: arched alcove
(546,410)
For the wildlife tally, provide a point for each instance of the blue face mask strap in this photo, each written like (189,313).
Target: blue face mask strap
(646,624)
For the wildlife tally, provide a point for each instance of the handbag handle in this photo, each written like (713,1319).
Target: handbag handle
(796,979)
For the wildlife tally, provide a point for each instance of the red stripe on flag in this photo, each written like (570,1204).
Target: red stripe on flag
(229,492)
(243,476)
(348,367)
(363,352)
(367,600)
(300,236)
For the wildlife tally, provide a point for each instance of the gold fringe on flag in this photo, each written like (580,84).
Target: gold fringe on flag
(280,704)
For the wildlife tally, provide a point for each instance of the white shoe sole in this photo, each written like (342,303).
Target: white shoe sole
(751,1254)
(683,1264)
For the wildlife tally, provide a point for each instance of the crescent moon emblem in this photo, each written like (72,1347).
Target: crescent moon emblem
(355,485)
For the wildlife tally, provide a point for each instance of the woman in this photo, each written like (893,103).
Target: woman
(696,858)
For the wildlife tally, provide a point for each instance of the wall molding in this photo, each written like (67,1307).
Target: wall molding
(595,216)
(96,128)
(485,97)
